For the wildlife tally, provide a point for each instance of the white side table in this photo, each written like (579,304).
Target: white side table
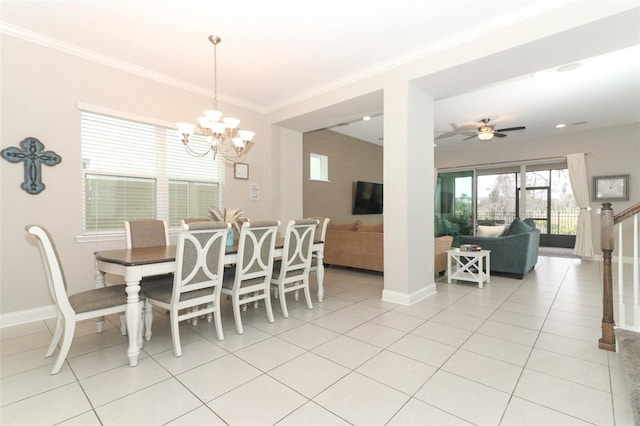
(469,266)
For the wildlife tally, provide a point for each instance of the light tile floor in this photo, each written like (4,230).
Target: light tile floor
(517,352)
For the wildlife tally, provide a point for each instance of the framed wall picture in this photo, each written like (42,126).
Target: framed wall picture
(611,188)
(241,170)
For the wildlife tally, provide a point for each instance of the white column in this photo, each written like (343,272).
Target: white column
(408,194)
(287,197)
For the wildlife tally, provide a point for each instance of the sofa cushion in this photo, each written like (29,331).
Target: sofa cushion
(369,227)
(490,230)
(342,226)
(517,227)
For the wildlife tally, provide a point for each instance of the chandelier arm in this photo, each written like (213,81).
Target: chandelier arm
(231,154)
(195,153)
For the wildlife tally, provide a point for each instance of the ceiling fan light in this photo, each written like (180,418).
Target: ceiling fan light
(485,136)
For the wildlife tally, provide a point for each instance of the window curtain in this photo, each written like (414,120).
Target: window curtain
(580,186)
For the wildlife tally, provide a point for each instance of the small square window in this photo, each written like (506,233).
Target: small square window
(318,167)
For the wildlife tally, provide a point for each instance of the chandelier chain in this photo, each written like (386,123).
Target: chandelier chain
(215,75)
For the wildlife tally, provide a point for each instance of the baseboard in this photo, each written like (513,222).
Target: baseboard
(28,315)
(408,299)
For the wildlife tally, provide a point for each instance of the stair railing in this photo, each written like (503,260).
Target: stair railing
(607,223)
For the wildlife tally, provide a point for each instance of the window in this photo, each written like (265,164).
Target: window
(134,170)
(191,199)
(318,167)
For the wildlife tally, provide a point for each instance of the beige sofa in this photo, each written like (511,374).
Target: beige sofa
(361,245)
(355,244)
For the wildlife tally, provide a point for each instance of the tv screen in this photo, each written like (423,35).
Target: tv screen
(367,198)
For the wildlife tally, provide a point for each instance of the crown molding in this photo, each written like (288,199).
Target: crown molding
(457,39)
(89,55)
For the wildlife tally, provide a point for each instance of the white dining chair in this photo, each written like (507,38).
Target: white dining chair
(189,220)
(320,235)
(146,233)
(249,281)
(195,288)
(84,305)
(291,272)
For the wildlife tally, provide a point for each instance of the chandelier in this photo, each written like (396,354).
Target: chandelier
(223,135)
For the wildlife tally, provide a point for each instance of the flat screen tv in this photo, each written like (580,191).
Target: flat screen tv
(367,198)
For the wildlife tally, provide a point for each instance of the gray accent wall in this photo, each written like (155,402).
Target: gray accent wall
(350,160)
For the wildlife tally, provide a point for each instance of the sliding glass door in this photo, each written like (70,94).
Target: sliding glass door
(454,204)
(495,199)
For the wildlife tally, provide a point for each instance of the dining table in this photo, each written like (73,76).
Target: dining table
(136,263)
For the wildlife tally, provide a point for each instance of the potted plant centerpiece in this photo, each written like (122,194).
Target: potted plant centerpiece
(233,216)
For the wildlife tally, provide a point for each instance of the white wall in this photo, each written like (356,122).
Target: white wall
(41,89)
(614,150)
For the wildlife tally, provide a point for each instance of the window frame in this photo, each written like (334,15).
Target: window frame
(165,135)
(323,169)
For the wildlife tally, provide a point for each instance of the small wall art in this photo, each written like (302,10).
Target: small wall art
(32,153)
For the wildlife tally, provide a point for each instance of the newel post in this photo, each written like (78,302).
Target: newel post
(608,340)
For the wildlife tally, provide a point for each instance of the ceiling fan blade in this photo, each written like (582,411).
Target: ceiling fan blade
(470,137)
(499,135)
(510,129)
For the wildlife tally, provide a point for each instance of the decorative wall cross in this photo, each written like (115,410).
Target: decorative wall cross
(33,155)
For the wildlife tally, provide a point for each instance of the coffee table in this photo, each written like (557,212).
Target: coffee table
(474,266)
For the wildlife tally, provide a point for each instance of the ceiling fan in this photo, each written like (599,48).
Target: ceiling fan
(487,132)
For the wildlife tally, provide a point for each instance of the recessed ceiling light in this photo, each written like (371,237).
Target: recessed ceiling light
(560,126)
(569,67)
(366,118)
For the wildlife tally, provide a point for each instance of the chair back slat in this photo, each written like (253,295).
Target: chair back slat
(255,250)
(200,258)
(146,233)
(298,242)
(321,227)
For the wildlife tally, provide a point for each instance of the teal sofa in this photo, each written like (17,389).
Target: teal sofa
(515,252)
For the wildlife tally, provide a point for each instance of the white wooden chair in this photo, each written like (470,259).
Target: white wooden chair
(146,233)
(320,235)
(195,289)
(77,307)
(190,220)
(291,273)
(249,281)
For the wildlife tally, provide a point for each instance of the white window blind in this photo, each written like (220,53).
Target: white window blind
(134,170)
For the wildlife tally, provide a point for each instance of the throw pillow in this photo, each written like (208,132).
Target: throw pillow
(517,227)
(490,231)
